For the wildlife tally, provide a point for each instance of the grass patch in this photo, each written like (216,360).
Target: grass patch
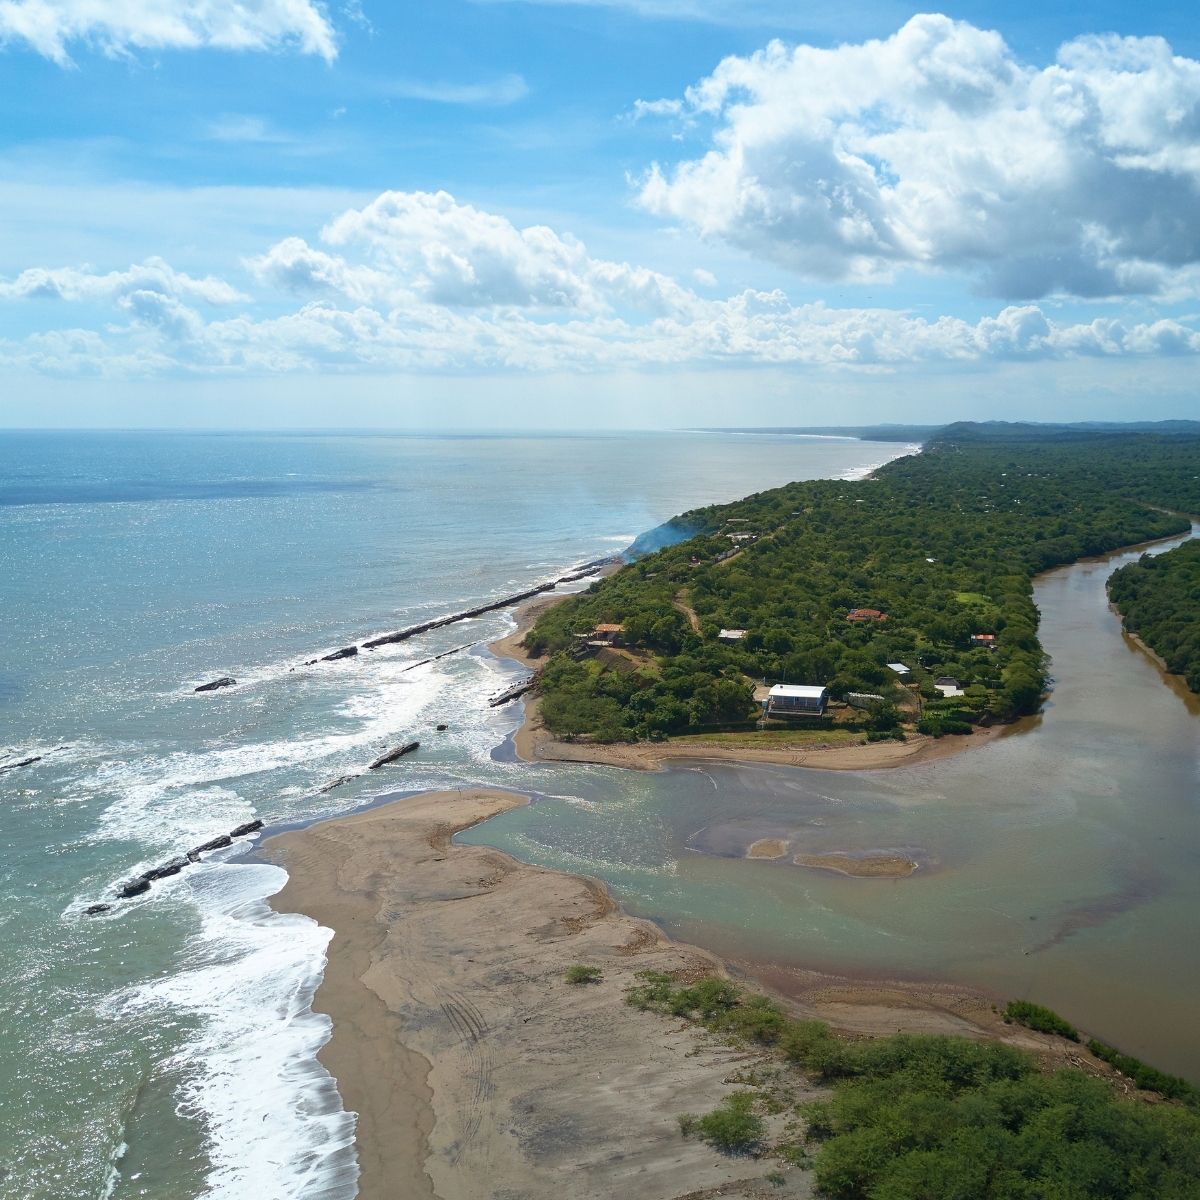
(774,739)
(732,1128)
(1040,1018)
(582,973)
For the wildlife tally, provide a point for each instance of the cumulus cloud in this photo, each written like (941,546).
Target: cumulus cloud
(119,26)
(80,283)
(428,247)
(937,149)
(420,282)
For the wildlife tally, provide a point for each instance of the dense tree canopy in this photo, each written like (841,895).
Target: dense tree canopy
(945,543)
(1159,598)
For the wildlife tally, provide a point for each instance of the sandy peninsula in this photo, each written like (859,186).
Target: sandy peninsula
(533,742)
(475,1069)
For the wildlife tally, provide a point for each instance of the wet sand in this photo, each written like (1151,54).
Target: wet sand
(475,1069)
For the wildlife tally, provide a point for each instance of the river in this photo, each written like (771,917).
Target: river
(1058,861)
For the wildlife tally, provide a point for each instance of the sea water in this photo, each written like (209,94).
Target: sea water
(166,1048)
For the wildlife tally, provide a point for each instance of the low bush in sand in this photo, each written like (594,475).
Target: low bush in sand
(733,1128)
(1039,1018)
(582,973)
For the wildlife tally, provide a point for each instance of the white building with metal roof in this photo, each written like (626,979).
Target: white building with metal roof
(796,700)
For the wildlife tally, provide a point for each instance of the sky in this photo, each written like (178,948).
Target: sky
(596,213)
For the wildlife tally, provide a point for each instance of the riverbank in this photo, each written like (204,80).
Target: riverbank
(476,1070)
(533,742)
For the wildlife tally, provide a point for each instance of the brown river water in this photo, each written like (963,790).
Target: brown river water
(1059,862)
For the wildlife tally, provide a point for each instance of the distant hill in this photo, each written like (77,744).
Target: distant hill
(980,431)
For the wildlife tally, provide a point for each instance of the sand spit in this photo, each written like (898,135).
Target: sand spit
(475,1069)
(767,848)
(862,866)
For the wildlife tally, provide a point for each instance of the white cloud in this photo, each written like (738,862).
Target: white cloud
(120,26)
(417,282)
(937,149)
(427,247)
(82,284)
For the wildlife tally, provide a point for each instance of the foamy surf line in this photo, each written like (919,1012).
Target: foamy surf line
(251,1075)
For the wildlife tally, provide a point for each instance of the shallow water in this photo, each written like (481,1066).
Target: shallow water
(1058,863)
(166,1050)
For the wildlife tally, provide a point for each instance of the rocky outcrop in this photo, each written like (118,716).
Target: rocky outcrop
(25,762)
(217,843)
(224,682)
(336,656)
(512,693)
(140,885)
(338,782)
(165,870)
(393,755)
(94,910)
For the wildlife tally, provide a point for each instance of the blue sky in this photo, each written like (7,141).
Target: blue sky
(639,212)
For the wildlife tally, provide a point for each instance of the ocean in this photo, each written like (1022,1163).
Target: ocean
(166,1048)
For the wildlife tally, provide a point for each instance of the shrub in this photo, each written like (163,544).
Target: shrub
(1037,1016)
(581,973)
(734,1127)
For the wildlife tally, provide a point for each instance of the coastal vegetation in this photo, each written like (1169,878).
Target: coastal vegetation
(1040,1018)
(1159,600)
(579,973)
(927,566)
(912,1117)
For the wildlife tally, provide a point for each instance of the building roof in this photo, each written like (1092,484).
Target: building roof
(866,614)
(983,637)
(945,681)
(609,629)
(732,635)
(899,668)
(800,691)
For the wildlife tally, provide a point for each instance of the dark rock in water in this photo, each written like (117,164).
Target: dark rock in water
(338,782)
(213,844)
(163,870)
(133,887)
(93,910)
(442,728)
(249,827)
(25,762)
(224,682)
(392,755)
(344,652)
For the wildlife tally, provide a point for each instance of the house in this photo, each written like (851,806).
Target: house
(948,686)
(796,700)
(900,669)
(607,633)
(866,614)
(731,635)
(987,640)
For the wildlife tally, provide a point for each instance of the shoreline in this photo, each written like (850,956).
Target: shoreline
(533,742)
(476,1070)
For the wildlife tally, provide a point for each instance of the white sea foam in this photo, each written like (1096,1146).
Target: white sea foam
(273,1122)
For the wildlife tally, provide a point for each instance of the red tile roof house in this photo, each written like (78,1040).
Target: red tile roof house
(607,633)
(984,639)
(866,614)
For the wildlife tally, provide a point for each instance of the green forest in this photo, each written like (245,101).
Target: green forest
(1159,598)
(943,544)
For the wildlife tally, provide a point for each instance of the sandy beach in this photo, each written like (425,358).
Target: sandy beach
(475,1069)
(533,742)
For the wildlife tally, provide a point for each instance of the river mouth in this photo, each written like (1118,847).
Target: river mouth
(1055,863)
